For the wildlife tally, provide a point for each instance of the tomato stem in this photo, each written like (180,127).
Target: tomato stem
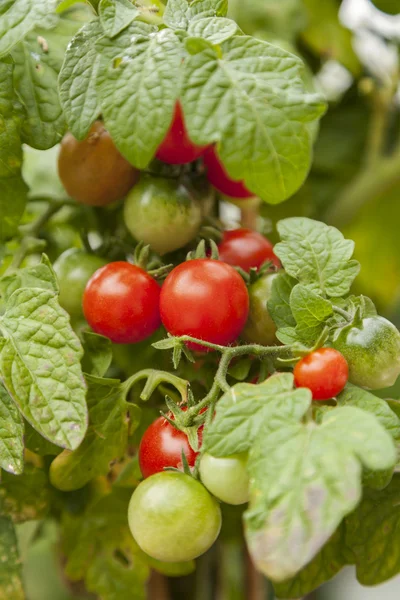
(153,379)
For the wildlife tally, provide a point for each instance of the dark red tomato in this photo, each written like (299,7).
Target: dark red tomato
(162,445)
(219,178)
(121,302)
(325,372)
(177,148)
(246,249)
(206,299)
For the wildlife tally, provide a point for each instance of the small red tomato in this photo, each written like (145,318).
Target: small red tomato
(162,445)
(246,249)
(325,372)
(206,299)
(219,178)
(177,148)
(121,302)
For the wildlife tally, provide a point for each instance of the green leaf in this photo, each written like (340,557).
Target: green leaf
(39,171)
(40,366)
(138,83)
(25,497)
(39,276)
(10,123)
(106,438)
(328,562)
(311,313)
(317,255)
(93,543)
(77,80)
(13,197)
(213,29)
(279,303)
(97,355)
(38,444)
(248,96)
(11,435)
(372,534)
(303,483)
(241,412)
(201,9)
(10,567)
(116,15)
(18,17)
(175,15)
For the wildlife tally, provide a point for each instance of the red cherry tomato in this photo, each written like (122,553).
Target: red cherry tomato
(206,299)
(121,301)
(325,372)
(219,178)
(162,445)
(177,148)
(246,249)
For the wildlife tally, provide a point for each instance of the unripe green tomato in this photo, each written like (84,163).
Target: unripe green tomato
(372,351)
(173,518)
(226,478)
(74,268)
(260,327)
(162,213)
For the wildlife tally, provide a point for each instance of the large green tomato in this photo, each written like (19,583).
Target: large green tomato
(226,477)
(74,268)
(260,327)
(372,350)
(173,518)
(162,212)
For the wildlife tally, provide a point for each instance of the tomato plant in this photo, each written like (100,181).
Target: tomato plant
(173,518)
(144,146)
(206,299)
(121,302)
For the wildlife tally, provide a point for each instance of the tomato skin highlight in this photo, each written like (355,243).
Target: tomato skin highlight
(219,178)
(121,302)
(325,372)
(206,299)
(93,171)
(173,518)
(372,350)
(177,148)
(226,478)
(246,249)
(161,446)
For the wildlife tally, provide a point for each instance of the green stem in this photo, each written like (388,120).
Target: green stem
(153,380)
(340,311)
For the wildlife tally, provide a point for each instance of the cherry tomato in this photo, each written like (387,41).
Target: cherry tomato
(177,148)
(173,518)
(93,171)
(372,350)
(226,478)
(161,212)
(121,302)
(206,299)
(260,327)
(219,178)
(74,268)
(162,445)
(246,249)
(325,372)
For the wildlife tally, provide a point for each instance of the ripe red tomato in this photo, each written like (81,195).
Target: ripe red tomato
(162,445)
(325,372)
(206,299)
(246,249)
(219,178)
(177,148)
(121,301)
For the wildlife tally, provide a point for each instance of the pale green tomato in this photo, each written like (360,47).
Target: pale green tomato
(226,478)
(260,327)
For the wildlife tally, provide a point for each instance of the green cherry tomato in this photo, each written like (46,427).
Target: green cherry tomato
(260,327)
(74,268)
(161,212)
(372,350)
(173,518)
(226,478)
